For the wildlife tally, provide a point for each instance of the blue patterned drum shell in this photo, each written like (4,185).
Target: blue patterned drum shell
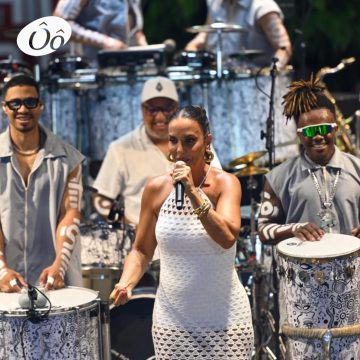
(71,331)
(238,112)
(320,287)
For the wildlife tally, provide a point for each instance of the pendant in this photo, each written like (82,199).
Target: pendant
(328,218)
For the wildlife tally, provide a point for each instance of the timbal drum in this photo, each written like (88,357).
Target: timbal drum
(319,281)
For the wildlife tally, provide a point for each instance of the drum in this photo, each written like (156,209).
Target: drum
(65,94)
(238,111)
(114,110)
(320,285)
(130,326)
(104,248)
(70,331)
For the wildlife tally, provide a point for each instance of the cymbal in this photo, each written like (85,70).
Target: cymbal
(246,159)
(251,170)
(246,52)
(214,27)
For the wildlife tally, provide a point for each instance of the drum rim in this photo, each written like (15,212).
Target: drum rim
(319,259)
(143,292)
(55,311)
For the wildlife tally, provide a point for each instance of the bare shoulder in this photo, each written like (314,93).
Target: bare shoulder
(223,178)
(156,191)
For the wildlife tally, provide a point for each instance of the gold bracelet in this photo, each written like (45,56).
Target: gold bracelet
(203,209)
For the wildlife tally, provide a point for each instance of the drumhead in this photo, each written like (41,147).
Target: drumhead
(330,246)
(61,300)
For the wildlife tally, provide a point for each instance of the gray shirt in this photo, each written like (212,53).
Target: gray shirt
(294,186)
(29,214)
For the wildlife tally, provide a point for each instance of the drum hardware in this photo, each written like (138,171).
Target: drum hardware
(344,139)
(132,59)
(11,67)
(219,28)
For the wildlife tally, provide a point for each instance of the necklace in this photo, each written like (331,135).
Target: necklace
(205,176)
(26,152)
(326,214)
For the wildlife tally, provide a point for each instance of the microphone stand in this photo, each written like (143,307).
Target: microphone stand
(269,145)
(32,313)
(269,134)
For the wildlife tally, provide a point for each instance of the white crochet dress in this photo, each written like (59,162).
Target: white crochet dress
(201,309)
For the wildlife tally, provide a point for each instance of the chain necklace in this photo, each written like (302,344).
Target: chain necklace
(26,152)
(326,214)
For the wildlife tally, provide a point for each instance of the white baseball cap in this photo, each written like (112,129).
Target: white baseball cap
(159,87)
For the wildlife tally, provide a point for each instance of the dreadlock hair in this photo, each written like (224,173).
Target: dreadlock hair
(305,96)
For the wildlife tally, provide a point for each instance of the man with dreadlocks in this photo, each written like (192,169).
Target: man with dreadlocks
(293,191)
(316,192)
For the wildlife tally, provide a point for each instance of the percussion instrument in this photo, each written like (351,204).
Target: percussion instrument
(70,331)
(238,116)
(319,282)
(247,159)
(104,248)
(214,27)
(250,171)
(131,323)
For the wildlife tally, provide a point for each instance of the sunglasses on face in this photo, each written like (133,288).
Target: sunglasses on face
(155,110)
(15,104)
(321,129)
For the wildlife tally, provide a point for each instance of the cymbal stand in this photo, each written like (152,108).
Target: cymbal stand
(219,54)
(252,185)
(54,102)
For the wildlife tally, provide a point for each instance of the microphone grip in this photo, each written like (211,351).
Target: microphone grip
(179,195)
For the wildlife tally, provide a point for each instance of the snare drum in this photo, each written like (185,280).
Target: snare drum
(320,283)
(103,252)
(130,325)
(197,60)
(71,331)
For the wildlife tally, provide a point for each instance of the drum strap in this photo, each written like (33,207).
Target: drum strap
(325,335)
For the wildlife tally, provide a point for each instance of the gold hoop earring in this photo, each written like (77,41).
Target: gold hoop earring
(170,157)
(209,155)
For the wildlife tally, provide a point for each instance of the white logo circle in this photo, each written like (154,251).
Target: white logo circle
(44,36)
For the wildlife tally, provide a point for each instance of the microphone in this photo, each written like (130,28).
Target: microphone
(32,298)
(179,195)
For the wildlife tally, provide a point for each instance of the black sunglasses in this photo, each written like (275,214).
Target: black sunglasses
(15,104)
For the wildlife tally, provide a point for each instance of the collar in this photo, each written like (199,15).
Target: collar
(51,145)
(335,162)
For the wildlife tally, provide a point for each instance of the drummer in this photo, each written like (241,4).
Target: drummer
(319,190)
(40,196)
(262,22)
(139,155)
(111,25)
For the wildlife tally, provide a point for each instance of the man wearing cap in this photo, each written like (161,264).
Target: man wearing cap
(139,155)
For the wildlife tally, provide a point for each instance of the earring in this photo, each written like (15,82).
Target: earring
(209,155)
(170,158)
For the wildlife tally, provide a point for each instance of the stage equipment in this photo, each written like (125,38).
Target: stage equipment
(72,328)
(219,28)
(319,292)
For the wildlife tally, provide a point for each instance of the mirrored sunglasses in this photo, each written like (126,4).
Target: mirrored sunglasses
(15,104)
(321,129)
